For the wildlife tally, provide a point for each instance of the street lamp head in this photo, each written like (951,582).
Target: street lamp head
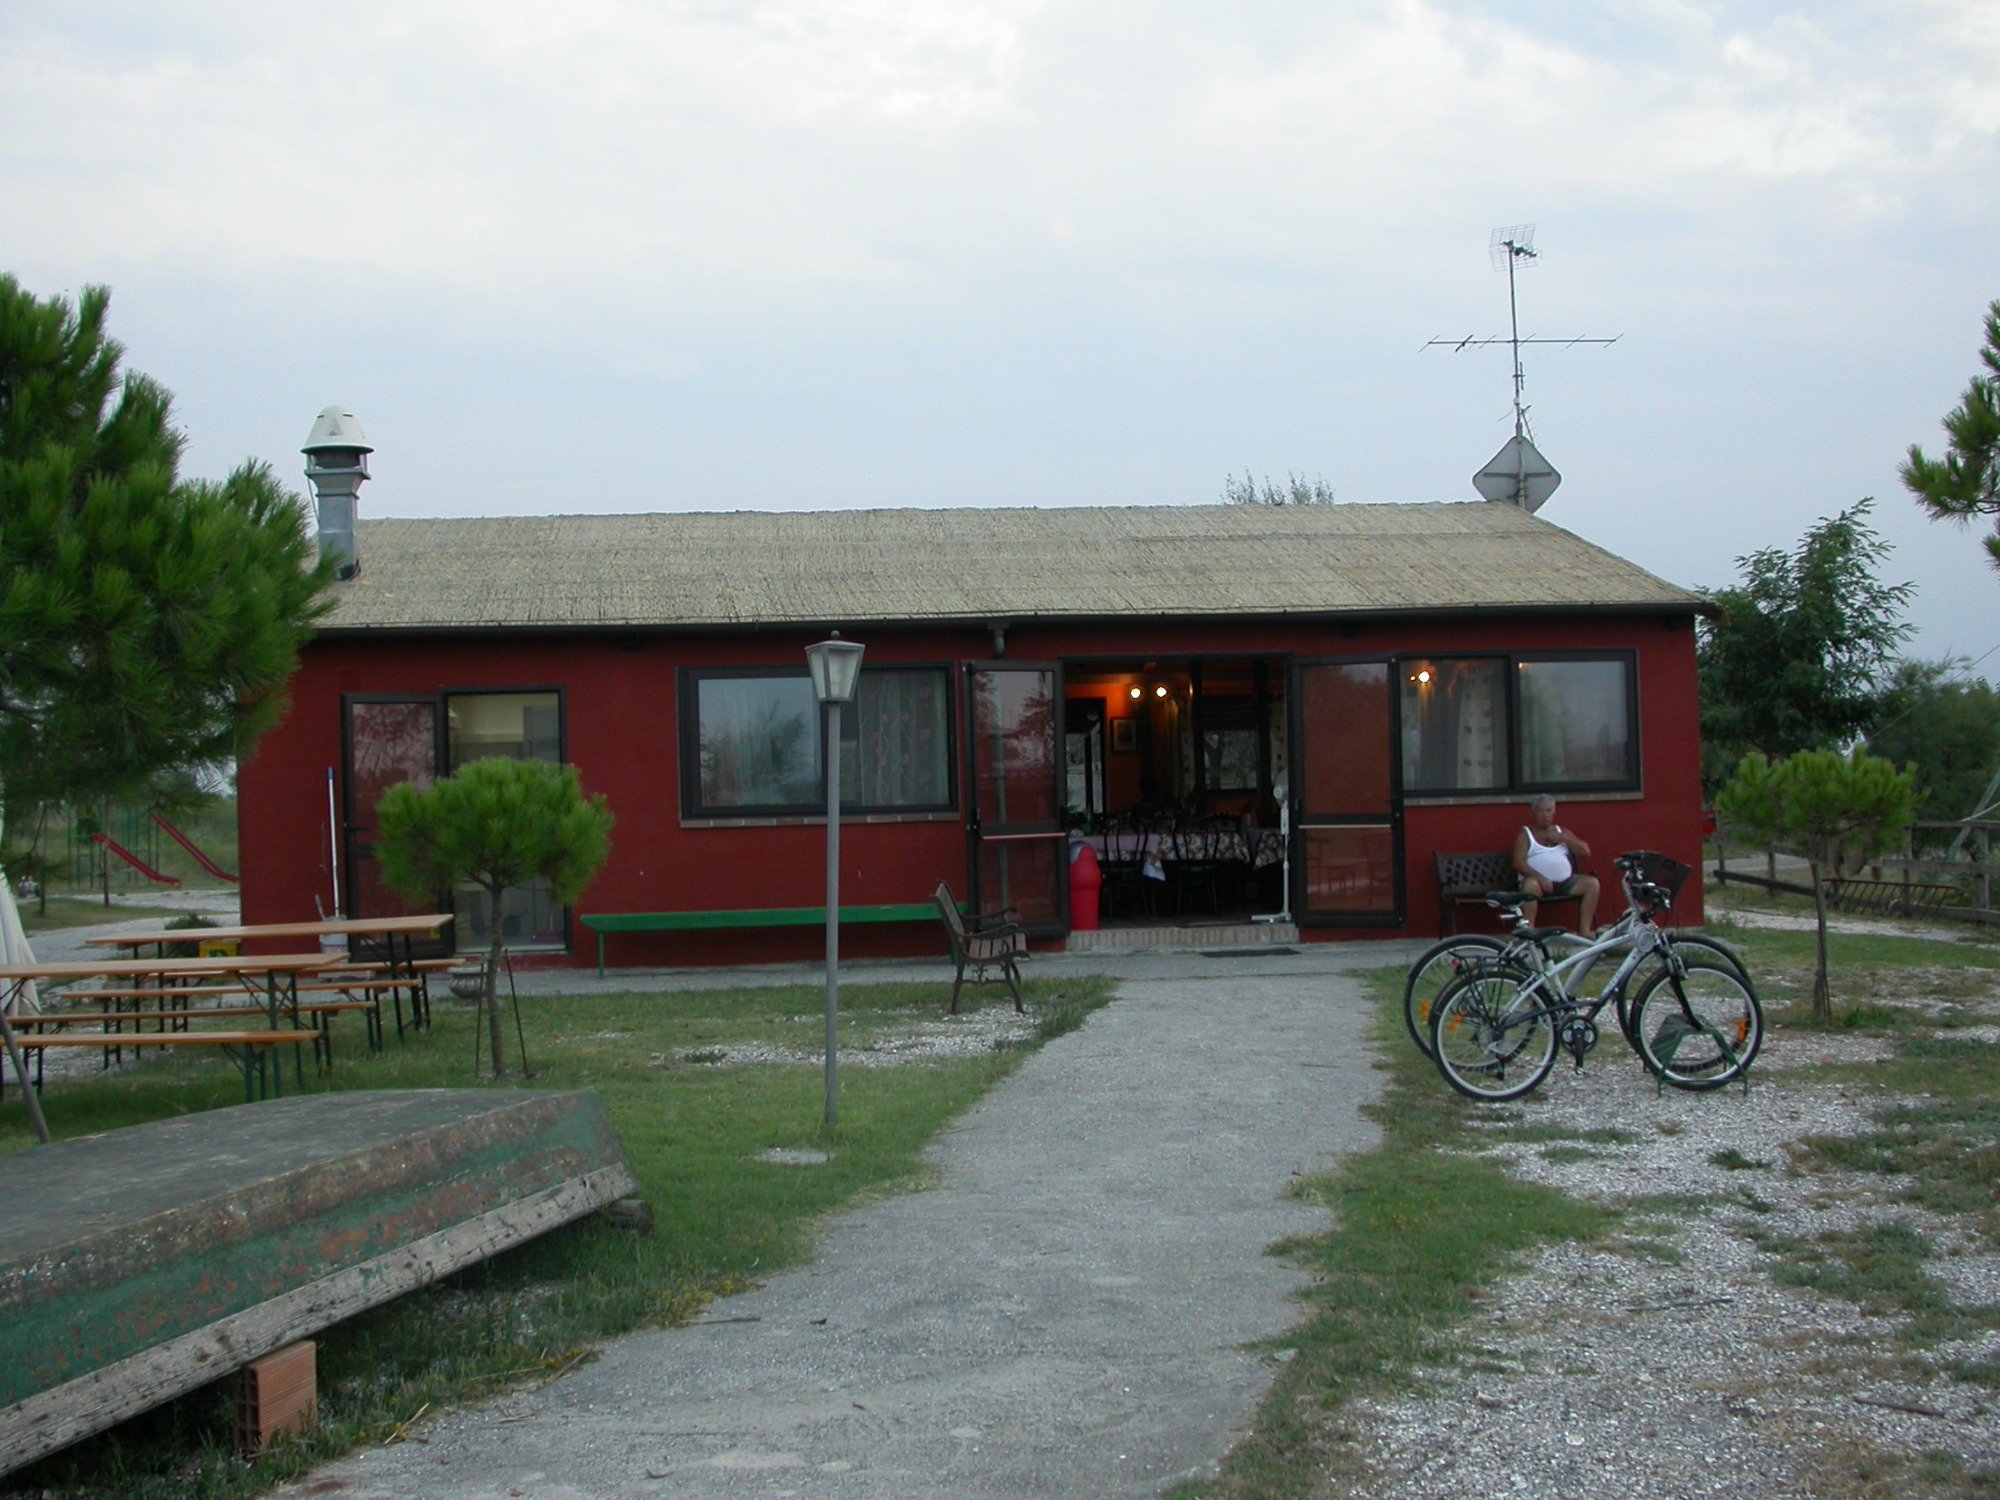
(835,665)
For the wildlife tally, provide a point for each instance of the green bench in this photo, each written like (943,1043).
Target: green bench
(605,923)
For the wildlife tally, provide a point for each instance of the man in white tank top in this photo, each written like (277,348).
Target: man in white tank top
(1546,857)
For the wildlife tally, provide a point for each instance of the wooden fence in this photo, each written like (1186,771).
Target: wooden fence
(1956,883)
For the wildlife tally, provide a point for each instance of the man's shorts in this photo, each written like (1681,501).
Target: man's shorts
(1566,887)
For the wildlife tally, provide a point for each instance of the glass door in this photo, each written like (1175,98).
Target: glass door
(1016,841)
(1347,857)
(388,741)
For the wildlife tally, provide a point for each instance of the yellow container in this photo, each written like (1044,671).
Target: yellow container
(220,948)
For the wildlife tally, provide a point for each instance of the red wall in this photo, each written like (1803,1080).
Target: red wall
(621,727)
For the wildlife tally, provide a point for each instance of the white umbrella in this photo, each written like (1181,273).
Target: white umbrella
(14,946)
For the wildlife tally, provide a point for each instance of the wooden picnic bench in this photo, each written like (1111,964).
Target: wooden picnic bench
(604,923)
(317,1013)
(173,1007)
(248,1047)
(1465,880)
(376,975)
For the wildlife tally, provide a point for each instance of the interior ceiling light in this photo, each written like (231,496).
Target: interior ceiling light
(1160,691)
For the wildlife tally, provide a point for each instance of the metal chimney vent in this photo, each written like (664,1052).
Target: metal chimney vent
(336,453)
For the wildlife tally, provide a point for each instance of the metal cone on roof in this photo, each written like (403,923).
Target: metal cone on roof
(1518,473)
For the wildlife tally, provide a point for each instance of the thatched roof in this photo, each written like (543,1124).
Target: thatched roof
(747,568)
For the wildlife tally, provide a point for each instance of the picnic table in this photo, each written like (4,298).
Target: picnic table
(400,968)
(275,976)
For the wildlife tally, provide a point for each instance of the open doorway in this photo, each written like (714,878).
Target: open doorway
(1174,770)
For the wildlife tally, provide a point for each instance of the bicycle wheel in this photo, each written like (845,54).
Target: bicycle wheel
(1694,948)
(1490,1040)
(1436,967)
(1706,1040)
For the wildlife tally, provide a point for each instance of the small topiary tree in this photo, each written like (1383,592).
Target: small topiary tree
(1831,809)
(497,824)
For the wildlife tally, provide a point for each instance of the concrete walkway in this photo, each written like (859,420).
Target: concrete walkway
(1071,1312)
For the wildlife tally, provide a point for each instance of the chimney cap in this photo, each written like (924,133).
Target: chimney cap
(336,428)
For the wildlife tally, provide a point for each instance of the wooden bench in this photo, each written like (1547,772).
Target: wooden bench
(259,1080)
(320,1011)
(381,974)
(603,923)
(1465,879)
(370,991)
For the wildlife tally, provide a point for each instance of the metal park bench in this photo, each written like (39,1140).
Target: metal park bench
(982,943)
(1464,880)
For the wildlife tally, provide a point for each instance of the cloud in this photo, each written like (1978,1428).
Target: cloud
(782,149)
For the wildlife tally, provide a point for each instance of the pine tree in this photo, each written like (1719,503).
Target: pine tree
(1835,810)
(1966,481)
(497,824)
(146,622)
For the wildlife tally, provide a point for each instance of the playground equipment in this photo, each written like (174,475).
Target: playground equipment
(113,846)
(193,853)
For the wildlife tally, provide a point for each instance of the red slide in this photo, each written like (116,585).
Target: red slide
(134,861)
(195,854)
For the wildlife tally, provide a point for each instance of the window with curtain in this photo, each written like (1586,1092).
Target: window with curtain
(1454,724)
(1519,723)
(752,743)
(894,745)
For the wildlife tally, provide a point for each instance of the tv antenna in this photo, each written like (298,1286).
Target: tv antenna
(1517,472)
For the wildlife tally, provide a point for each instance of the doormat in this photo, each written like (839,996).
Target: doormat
(1267,950)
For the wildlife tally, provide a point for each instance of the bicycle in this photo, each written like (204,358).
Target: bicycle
(1695,1022)
(1449,958)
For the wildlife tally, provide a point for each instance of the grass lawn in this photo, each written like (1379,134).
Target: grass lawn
(696,1124)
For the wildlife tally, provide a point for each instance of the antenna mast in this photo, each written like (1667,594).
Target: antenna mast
(1511,245)
(1517,472)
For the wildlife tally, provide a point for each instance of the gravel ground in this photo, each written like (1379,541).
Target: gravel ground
(1669,1363)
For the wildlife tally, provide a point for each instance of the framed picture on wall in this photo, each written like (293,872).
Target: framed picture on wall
(1125,734)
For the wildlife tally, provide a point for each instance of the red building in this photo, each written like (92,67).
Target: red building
(1398,680)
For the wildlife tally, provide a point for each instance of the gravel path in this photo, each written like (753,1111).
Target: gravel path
(1670,1364)
(1072,1311)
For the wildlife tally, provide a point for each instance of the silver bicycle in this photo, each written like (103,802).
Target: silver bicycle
(1533,947)
(1688,1010)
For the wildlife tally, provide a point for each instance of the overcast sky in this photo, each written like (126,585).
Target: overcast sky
(605,255)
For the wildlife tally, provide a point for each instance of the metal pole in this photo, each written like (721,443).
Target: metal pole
(832,907)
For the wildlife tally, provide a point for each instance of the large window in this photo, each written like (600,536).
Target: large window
(517,726)
(752,743)
(1576,723)
(1519,723)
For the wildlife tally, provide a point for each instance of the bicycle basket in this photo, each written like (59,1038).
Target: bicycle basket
(1657,869)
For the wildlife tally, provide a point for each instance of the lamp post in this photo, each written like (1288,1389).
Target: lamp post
(835,666)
